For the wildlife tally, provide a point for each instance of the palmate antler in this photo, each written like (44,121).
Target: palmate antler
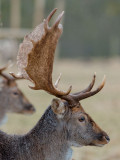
(36,55)
(35,61)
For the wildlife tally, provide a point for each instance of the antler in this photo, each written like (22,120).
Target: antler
(7,77)
(76,97)
(36,56)
(35,61)
(90,86)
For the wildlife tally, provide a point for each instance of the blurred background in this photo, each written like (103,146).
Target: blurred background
(90,42)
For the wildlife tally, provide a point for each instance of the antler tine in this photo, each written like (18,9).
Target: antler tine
(5,75)
(16,77)
(57,81)
(46,21)
(2,69)
(90,86)
(51,14)
(6,66)
(58,20)
(88,94)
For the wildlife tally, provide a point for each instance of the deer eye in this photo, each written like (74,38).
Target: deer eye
(82,119)
(15,93)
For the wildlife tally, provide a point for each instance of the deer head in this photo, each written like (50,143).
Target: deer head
(35,63)
(11,96)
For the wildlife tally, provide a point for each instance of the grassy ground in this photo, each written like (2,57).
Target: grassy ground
(104,107)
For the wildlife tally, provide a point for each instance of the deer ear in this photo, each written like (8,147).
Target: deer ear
(58,107)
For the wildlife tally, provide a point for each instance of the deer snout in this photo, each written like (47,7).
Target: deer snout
(107,138)
(103,137)
(100,139)
(29,109)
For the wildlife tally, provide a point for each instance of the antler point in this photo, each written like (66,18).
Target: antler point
(94,74)
(104,79)
(70,88)
(63,12)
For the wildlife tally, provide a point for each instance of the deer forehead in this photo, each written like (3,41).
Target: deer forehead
(12,84)
(78,108)
(14,88)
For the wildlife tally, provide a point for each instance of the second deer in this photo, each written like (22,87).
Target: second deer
(11,98)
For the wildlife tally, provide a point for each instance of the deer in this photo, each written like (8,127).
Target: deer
(12,100)
(65,122)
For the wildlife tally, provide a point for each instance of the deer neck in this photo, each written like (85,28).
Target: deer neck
(3,98)
(48,137)
(3,107)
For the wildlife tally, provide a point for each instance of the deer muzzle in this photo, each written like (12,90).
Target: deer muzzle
(100,140)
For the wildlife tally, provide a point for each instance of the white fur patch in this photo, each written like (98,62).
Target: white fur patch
(75,144)
(100,145)
(69,154)
(4,120)
(60,116)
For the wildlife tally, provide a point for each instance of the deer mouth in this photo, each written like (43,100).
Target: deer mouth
(101,141)
(96,145)
(27,110)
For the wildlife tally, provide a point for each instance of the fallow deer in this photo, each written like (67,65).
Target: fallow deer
(65,123)
(11,98)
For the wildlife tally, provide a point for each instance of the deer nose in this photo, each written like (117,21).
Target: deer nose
(107,138)
(104,136)
(29,107)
